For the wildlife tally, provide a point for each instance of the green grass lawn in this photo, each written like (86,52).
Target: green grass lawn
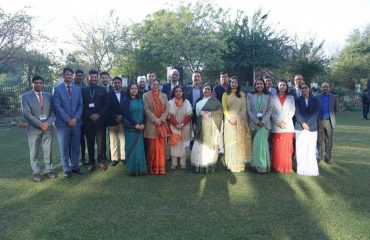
(183,205)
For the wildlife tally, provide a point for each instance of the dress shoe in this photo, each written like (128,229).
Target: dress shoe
(37,178)
(51,175)
(330,161)
(77,171)
(91,167)
(114,163)
(67,174)
(102,167)
(85,162)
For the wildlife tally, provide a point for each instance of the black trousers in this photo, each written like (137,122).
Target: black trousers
(96,134)
(365,110)
(83,143)
(325,139)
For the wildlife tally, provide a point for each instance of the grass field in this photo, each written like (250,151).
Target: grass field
(183,205)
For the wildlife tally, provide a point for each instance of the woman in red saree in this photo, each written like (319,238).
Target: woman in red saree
(156,129)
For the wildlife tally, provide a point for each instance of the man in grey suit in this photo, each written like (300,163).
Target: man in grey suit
(328,107)
(37,109)
(67,100)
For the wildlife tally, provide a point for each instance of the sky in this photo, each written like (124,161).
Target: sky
(330,20)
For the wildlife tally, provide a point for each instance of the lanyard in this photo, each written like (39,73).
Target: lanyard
(92,95)
(259,103)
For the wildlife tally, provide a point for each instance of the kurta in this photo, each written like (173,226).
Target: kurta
(180,112)
(237,138)
(204,153)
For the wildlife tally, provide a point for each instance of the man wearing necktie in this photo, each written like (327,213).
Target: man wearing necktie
(67,101)
(37,109)
(95,102)
(296,91)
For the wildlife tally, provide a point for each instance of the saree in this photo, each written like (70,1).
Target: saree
(204,153)
(261,153)
(135,152)
(237,138)
(306,142)
(282,152)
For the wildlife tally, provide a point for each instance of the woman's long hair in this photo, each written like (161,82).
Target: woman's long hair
(174,90)
(237,93)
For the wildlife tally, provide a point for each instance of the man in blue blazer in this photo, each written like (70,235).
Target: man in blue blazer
(38,110)
(175,80)
(67,101)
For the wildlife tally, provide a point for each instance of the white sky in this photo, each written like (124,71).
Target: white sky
(328,20)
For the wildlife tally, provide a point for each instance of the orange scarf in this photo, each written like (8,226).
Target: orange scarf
(179,102)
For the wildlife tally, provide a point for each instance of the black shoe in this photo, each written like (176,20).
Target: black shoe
(91,167)
(114,163)
(85,162)
(37,178)
(67,174)
(330,161)
(77,171)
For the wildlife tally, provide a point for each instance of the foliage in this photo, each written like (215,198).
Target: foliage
(353,63)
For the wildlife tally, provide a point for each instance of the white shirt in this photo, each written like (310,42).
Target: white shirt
(118,95)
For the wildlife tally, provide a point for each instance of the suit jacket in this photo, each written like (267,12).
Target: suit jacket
(307,114)
(150,130)
(189,94)
(110,88)
(67,107)
(166,89)
(282,113)
(114,108)
(333,103)
(252,112)
(292,91)
(101,104)
(31,111)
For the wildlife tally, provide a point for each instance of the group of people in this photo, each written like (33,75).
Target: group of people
(150,122)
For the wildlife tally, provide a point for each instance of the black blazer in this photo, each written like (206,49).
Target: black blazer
(101,103)
(189,94)
(308,114)
(166,89)
(114,107)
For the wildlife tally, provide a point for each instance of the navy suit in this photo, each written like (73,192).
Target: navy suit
(95,100)
(115,107)
(68,107)
(307,114)
(166,89)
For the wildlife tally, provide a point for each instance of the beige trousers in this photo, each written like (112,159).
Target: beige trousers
(117,141)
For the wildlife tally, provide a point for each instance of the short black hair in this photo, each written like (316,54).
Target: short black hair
(117,78)
(37,77)
(67,69)
(104,73)
(79,71)
(224,73)
(209,85)
(92,71)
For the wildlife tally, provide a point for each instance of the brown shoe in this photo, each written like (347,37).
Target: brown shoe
(91,167)
(51,175)
(37,178)
(102,167)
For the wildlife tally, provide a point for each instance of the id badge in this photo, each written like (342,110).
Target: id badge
(43,117)
(259,115)
(91,105)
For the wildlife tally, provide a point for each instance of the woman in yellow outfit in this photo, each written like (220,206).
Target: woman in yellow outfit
(237,136)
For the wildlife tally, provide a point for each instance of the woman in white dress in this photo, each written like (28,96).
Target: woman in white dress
(307,112)
(207,123)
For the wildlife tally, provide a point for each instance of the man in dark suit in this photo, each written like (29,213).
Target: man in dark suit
(295,91)
(105,81)
(175,80)
(67,100)
(220,89)
(79,81)
(115,123)
(328,107)
(195,91)
(38,110)
(95,101)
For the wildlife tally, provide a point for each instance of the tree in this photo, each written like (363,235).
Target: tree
(252,43)
(99,43)
(15,33)
(353,63)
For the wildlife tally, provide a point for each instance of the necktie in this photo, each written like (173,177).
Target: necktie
(69,91)
(41,102)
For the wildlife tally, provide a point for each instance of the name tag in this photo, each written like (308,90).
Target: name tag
(91,105)
(43,117)
(259,115)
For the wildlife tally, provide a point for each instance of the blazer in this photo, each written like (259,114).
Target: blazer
(252,112)
(282,113)
(101,104)
(292,91)
(114,108)
(150,130)
(67,107)
(31,111)
(166,89)
(189,94)
(306,114)
(333,103)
